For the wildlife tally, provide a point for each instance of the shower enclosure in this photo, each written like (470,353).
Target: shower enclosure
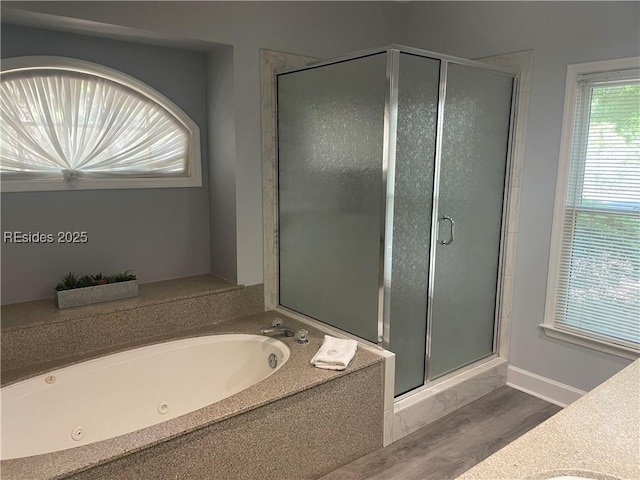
(392,168)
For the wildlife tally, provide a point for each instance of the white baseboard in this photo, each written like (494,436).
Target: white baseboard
(542,387)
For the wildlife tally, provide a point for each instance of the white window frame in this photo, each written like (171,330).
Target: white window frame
(193,176)
(548,325)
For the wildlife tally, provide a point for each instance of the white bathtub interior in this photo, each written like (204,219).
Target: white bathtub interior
(124,392)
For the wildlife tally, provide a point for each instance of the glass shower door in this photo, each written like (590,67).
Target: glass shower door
(475,138)
(415,152)
(330,145)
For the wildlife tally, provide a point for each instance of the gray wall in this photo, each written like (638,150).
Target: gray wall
(318,29)
(222,173)
(157,233)
(560,33)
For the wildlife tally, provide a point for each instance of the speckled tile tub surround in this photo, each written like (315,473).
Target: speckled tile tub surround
(293,416)
(37,332)
(303,437)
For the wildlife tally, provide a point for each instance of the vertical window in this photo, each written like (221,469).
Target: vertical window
(593,293)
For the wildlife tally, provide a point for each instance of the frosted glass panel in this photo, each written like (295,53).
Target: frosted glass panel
(330,127)
(415,150)
(474,154)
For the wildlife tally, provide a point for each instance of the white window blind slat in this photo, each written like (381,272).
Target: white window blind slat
(598,289)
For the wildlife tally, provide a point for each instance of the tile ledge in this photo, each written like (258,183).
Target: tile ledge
(34,314)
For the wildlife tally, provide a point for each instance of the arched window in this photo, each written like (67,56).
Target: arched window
(67,123)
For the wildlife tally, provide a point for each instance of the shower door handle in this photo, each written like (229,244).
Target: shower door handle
(453,231)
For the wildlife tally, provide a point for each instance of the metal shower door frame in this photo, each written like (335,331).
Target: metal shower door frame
(385,280)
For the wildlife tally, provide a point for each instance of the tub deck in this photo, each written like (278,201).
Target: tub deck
(286,407)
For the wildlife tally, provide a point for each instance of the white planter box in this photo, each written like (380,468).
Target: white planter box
(100,293)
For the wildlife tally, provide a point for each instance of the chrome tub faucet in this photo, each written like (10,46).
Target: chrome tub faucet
(277,328)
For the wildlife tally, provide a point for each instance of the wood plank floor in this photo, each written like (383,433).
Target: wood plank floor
(455,443)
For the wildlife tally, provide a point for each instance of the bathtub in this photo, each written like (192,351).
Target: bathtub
(128,391)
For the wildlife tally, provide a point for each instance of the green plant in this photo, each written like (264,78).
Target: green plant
(124,276)
(86,281)
(100,279)
(69,281)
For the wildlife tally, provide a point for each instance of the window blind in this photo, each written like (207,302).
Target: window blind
(56,122)
(68,124)
(598,289)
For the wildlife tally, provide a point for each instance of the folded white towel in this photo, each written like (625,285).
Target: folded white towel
(335,353)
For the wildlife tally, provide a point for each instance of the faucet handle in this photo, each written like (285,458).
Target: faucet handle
(276,322)
(302,336)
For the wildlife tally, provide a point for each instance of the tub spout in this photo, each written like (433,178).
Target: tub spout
(278,330)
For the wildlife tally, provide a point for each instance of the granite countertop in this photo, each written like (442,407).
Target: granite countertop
(596,437)
(295,376)
(32,314)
